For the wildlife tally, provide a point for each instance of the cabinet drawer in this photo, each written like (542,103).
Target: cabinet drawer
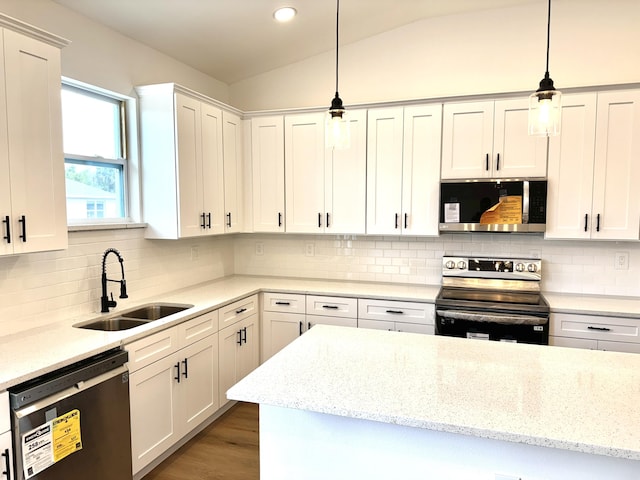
(197,328)
(585,343)
(329,320)
(596,327)
(625,347)
(147,350)
(332,306)
(396,311)
(5,420)
(237,311)
(283,302)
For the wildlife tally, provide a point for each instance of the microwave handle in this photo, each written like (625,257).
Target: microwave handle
(525,201)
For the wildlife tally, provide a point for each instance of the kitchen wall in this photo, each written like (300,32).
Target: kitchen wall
(493,51)
(39,288)
(569,266)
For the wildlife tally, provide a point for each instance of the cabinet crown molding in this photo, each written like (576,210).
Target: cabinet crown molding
(33,32)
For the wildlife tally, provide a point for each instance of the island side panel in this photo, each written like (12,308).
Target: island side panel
(297,444)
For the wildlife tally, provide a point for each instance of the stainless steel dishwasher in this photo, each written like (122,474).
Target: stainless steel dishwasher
(74,423)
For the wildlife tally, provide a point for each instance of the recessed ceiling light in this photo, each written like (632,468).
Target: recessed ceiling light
(284,14)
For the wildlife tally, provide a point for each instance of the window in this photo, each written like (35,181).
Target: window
(93,126)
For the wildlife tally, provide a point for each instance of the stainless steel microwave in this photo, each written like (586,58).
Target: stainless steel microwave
(493,206)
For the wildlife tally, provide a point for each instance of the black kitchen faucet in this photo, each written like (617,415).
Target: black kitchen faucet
(104,300)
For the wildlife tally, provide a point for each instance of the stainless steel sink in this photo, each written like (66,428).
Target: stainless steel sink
(134,317)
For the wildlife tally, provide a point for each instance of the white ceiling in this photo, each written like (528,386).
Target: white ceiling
(235,39)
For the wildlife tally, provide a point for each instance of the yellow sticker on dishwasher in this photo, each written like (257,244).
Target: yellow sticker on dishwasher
(66,435)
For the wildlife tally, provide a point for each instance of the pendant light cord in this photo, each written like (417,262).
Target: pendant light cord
(337,38)
(548,35)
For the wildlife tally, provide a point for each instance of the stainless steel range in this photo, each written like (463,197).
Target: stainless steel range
(492,299)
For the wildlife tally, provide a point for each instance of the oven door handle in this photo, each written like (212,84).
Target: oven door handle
(509,319)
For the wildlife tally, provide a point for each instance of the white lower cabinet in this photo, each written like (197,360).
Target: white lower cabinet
(173,385)
(6,446)
(283,320)
(396,316)
(596,332)
(239,342)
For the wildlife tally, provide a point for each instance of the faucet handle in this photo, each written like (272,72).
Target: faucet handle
(123,289)
(112,302)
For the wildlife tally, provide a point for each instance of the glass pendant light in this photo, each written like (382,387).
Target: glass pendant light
(545,104)
(337,129)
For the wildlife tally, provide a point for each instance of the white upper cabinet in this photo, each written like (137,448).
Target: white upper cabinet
(594,169)
(403,161)
(267,160)
(325,187)
(232,129)
(32,186)
(490,140)
(183,162)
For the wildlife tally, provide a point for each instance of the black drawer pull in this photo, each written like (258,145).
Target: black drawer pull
(406,221)
(242,310)
(177,367)
(239,341)
(498,162)
(209,220)
(396,312)
(7,221)
(300,330)
(600,329)
(330,307)
(319,220)
(487,163)
(202,220)
(286,304)
(586,219)
(327,224)
(229,219)
(23,221)
(597,223)
(397,216)
(185,362)
(279,219)
(7,464)
(243,337)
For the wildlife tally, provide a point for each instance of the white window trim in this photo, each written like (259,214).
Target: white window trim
(132,165)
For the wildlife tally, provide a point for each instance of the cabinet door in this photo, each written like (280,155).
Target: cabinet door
(616,196)
(414,328)
(228,343)
(267,157)
(233,173)
(279,330)
(421,170)
(190,174)
(34,122)
(376,324)
(345,181)
(153,394)
(6,456)
(516,154)
(249,351)
(570,342)
(570,175)
(212,169)
(304,172)
(384,170)
(5,186)
(199,385)
(467,140)
(619,347)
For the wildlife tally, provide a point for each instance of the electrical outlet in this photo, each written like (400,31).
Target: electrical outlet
(622,261)
(194,252)
(259,248)
(309,250)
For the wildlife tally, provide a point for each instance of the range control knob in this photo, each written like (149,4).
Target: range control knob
(450,265)
(519,267)
(462,265)
(532,267)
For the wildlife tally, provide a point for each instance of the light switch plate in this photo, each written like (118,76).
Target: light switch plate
(622,261)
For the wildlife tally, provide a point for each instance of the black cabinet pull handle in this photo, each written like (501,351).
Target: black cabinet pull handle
(177,367)
(7,221)
(396,312)
(327,223)
(397,220)
(7,464)
(239,341)
(283,303)
(244,334)
(229,219)
(330,307)
(600,329)
(23,221)
(202,220)
(598,223)
(309,326)
(300,330)
(242,310)
(586,218)
(279,219)
(498,161)
(185,362)
(319,220)
(209,220)
(487,163)
(406,221)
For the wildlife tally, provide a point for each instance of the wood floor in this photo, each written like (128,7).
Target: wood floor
(227,449)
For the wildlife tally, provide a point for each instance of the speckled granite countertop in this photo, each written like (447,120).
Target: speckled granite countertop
(572,399)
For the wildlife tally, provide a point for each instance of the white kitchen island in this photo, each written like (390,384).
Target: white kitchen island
(347,403)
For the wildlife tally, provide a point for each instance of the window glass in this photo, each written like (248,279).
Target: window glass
(95,155)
